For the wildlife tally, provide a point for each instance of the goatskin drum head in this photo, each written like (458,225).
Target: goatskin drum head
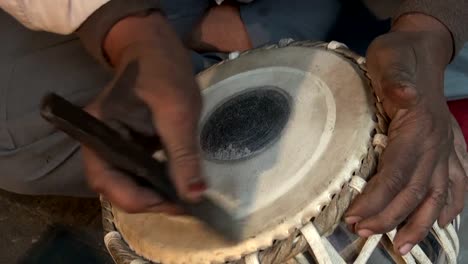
(282,129)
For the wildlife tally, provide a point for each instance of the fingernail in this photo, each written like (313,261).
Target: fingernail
(351,220)
(196,186)
(406,249)
(365,233)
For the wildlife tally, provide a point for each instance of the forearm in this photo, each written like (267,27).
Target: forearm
(150,43)
(152,30)
(453,14)
(442,44)
(94,31)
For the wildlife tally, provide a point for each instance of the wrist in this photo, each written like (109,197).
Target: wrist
(134,30)
(441,43)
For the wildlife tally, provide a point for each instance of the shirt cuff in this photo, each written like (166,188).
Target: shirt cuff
(451,13)
(95,29)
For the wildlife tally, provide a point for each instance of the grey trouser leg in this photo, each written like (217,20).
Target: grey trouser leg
(35,158)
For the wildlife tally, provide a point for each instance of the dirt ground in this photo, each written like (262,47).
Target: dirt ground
(31,227)
(29,224)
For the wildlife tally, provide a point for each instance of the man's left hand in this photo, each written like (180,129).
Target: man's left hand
(421,177)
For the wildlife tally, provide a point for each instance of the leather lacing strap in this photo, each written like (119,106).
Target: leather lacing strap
(447,243)
(252,259)
(319,249)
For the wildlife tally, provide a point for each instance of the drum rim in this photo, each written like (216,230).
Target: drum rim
(295,244)
(119,245)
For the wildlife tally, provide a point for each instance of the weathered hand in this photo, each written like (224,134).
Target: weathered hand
(420,178)
(154,93)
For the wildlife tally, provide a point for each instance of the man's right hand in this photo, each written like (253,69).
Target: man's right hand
(155,94)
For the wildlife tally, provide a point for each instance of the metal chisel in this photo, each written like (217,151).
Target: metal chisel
(134,159)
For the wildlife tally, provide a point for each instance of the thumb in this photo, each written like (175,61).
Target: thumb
(393,71)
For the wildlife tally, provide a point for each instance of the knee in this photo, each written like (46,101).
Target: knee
(22,173)
(52,169)
(15,184)
(62,180)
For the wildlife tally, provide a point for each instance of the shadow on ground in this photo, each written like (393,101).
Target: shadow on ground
(50,230)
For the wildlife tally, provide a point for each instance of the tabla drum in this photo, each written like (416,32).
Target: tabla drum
(290,133)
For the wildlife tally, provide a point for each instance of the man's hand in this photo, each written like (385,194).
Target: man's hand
(154,93)
(421,179)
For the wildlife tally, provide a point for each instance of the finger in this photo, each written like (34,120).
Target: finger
(177,125)
(421,220)
(395,171)
(403,204)
(120,189)
(456,191)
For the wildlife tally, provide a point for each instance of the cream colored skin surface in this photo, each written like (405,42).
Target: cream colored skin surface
(280,189)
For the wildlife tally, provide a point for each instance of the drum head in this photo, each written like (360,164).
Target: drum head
(281,131)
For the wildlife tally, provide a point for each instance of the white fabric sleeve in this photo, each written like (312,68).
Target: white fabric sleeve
(56,16)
